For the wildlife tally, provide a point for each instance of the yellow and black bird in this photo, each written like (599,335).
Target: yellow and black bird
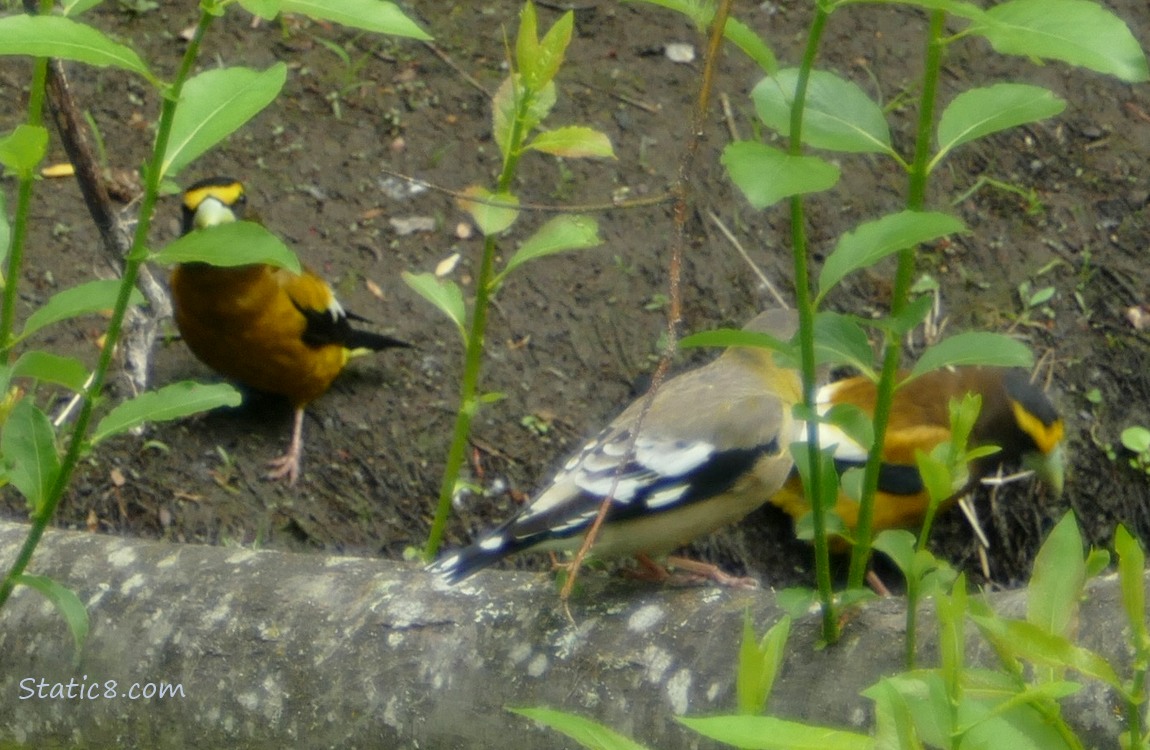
(714,446)
(1016,416)
(268,328)
(711,447)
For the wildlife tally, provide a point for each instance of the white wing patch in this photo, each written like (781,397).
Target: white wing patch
(846,449)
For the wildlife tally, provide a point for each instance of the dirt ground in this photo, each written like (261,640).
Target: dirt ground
(573,336)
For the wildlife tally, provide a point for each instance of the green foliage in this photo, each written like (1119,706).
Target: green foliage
(521,104)
(588,733)
(1136,439)
(759,664)
(195,115)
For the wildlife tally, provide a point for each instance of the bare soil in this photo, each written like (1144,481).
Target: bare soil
(572,337)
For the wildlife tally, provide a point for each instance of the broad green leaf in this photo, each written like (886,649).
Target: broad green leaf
(766,175)
(973,348)
(898,545)
(563,233)
(588,733)
(574,142)
(1136,439)
(1077,32)
(73,8)
(444,294)
(893,721)
(28,447)
(839,340)
(769,733)
(51,368)
(64,39)
(67,604)
(89,297)
(265,9)
(214,105)
(976,113)
(1057,580)
(23,148)
(855,423)
(1131,568)
(492,212)
(1025,640)
(237,243)
(875,240)
(370,15)
(838,115)
(924,695)
(512,103)
(170,402)
(935,475)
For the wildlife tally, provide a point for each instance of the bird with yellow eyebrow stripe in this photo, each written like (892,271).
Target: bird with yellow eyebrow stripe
(268,328)
(1016,416)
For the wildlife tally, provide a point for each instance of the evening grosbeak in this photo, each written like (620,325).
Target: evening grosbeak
(1016,416)
(711,448)
(268,328)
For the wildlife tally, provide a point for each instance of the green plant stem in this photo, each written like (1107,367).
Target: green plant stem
(136,256)
(1135,704)
(473,357)
(806,310)
(23,206)
(900,298)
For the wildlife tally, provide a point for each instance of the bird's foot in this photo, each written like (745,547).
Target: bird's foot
(285,466)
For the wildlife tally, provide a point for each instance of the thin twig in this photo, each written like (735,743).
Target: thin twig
(459,71)
(766,282)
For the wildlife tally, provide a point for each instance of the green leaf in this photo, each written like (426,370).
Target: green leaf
(64,39)
(5,232)
(1077,32)
(492,212)
(23,148)
(28,447)
(514,102)
(588,733)
(563,233)
(766,175)
(838,115)
(855,423)
(51,368)
(976,113)
(769,733)
(67,604)
(89,297)
(936,476)
(370,15)
(444,294)
(540,61)
(214,105)
(574,142)
(875,240)
(170,402)
(1057,580)
(265,9)
(752,45)
(237,243)
(1131,567)
(759,664)
(1136,439)
(973,348)
(1028,641)
(924,696)
(727,337)
(839,340)
(898,545)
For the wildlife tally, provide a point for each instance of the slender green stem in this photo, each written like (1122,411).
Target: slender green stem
(806,310)
(1135,704)
(900,298)
(473,357)
(23,206)
(136,256)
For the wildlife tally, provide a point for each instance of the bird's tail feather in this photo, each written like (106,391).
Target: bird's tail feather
(362,342)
